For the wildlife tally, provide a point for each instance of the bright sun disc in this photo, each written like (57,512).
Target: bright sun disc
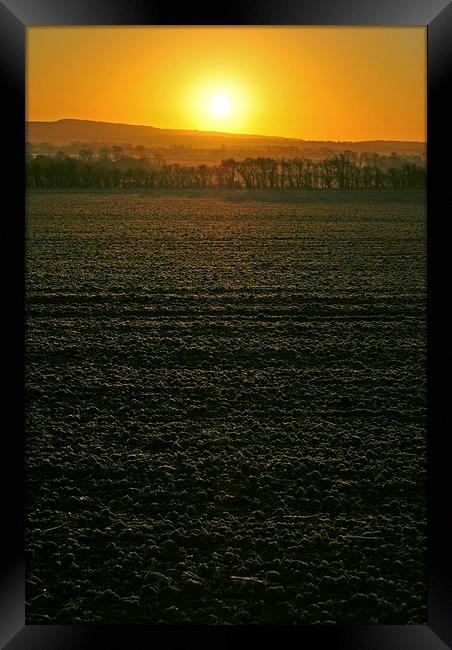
(220,105)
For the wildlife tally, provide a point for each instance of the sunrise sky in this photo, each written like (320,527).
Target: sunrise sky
(315,83)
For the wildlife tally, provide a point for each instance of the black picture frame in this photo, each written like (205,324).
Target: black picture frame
(436,15)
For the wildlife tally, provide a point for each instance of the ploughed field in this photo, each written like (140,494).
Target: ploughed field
(226,407)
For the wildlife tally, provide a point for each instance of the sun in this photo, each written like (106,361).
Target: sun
(220,105)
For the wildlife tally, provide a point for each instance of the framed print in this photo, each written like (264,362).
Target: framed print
(228,410)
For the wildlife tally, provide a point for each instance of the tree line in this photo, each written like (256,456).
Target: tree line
(111,169)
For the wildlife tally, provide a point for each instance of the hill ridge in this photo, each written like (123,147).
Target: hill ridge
(86,130)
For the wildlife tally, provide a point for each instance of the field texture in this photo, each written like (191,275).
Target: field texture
(226,407)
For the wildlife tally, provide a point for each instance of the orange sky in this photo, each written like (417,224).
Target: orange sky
(320,83)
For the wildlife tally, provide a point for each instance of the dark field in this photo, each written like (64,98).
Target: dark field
(226,407)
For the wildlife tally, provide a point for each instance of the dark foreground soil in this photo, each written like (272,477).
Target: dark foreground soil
(226,408)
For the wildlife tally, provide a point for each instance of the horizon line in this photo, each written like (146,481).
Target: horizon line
(228,133)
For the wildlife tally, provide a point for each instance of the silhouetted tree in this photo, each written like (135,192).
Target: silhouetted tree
(342,171)
(117,153)
(86,155)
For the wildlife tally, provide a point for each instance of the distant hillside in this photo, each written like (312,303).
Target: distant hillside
(64,132)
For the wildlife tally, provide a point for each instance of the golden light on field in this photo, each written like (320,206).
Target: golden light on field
(319,83)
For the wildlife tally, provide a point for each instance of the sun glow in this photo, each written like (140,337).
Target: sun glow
(224,104)
(220,105)
(275,80)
